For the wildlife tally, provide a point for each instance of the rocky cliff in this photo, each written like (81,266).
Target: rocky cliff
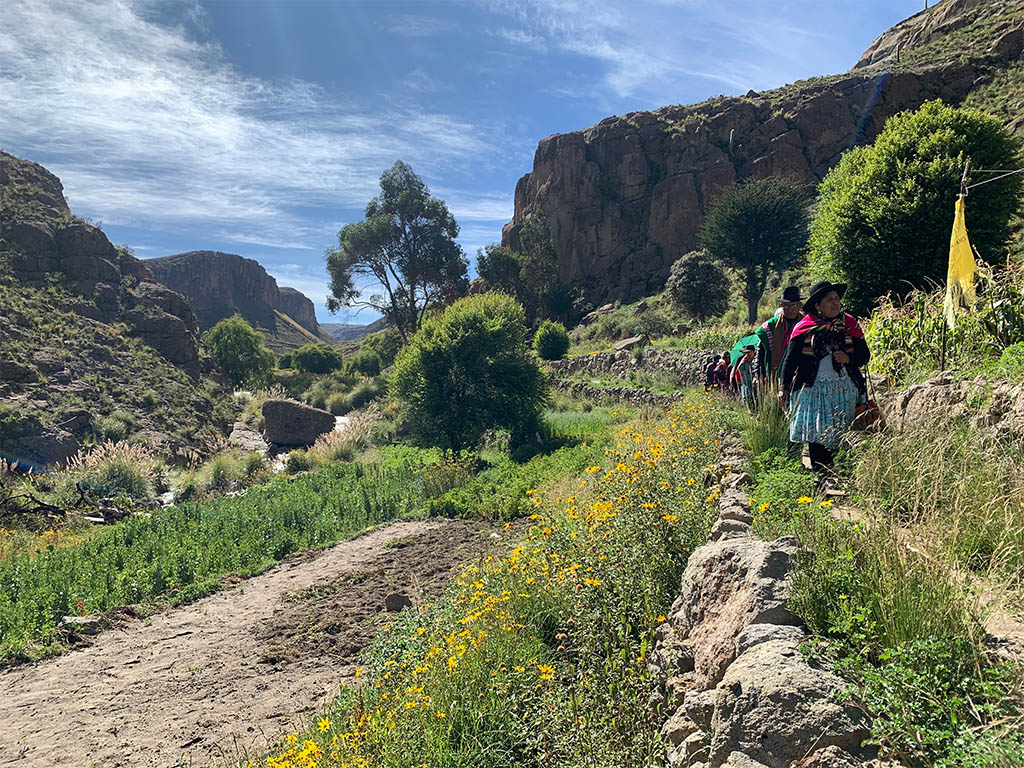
(90,343)
(219,285)
(626,197)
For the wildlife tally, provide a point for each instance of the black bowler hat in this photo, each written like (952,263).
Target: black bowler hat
(791,294)
(819,290)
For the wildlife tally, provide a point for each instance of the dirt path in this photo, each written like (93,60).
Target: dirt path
(198,685)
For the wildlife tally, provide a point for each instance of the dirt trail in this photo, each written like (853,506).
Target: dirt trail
(197,685)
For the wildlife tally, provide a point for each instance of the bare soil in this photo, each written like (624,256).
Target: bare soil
(205,684)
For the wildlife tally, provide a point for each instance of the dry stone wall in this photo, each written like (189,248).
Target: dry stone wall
(736,689)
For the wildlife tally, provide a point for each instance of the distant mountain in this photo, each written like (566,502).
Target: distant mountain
(219,285)
(625,198)
(349,331)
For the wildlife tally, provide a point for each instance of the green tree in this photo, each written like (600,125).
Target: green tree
(886,211)
(698,286)
(530,274)
(551,341)
(468,369)
(239,351)
(756,228)
(317,358)
(385,344)
(405,247)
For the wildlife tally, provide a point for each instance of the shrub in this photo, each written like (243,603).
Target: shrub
(221,472)
(300,461)
(384,344)
(239,351)
(317,358)
(654,324)
(364,392)
(698,286)
(337,403)
(365,363)
(886,211)
(467,370)
(116,469)
(551,341)
(337,383)
(285,361)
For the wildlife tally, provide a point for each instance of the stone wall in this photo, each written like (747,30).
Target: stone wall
(734,687)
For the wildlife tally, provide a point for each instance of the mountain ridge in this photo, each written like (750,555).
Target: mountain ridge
(625,198)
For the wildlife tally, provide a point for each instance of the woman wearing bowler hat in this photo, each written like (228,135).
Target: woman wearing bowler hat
(821,381)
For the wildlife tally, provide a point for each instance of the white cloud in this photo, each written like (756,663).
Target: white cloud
(647,47)
(146,125)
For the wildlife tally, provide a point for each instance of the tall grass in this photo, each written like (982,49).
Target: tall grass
(958,489)
(767,427)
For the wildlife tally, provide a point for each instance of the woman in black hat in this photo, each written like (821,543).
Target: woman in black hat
(821,381)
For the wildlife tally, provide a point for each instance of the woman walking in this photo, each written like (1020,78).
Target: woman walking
(821,381)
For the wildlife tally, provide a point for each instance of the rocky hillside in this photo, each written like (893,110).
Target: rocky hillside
(91,346)
(219,285)
(351,331)
(626,197)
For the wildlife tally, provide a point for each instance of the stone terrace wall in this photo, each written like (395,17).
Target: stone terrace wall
(737,691)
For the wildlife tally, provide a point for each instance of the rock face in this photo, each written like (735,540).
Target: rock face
(219,285)
(625,198)
(73,311)
(288,423)
(298,308)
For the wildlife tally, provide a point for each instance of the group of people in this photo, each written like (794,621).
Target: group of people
(809,356)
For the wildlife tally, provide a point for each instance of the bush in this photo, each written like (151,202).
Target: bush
(284,362)
(886,211)
(551,341)
(317,358)
(299,461)
(698,286)
(117,469)
(384,344)
(337,404)
(467,370)
(365,363)
(221,473)
(239,351)
(364,392)
(337,383)
(112,428)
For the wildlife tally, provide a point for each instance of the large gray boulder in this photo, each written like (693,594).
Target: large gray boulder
(290,423)
(775,708)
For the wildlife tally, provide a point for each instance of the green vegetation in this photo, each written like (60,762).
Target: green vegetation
(538,655)
(885,211)
(239,351)
(468,370)
(530,274)
(698,286)
(756,228)
(316,358)
(892,597)
(551,341)
(406,245)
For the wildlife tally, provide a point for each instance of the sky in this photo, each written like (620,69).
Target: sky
(261,127)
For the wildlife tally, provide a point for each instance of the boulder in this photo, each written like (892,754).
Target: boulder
(773,707)
(631,343)
(75,420)
(396,601)
(168,335)
(727,586)
(247,438)
(17,372)
(51,446)
(289,423)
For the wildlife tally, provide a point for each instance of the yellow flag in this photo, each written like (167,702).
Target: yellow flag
(960,278)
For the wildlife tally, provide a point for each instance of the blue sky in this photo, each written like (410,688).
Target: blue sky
(260,128)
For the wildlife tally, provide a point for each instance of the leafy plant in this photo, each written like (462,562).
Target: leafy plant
(698,286)
(551,341)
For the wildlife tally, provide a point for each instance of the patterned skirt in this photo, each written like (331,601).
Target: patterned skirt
(823,413)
